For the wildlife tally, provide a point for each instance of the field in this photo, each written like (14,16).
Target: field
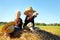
(53,29)
(1,26)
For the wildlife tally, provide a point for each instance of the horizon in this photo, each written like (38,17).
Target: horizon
(49,10)
(36,22)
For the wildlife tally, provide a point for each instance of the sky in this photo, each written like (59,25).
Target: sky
(49,10)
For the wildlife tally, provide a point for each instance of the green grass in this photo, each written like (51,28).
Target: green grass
(52,29)
(1,26)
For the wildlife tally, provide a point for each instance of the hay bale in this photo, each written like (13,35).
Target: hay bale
(29,36)
(37,35)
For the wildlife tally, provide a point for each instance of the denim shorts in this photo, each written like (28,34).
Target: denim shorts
(16,28)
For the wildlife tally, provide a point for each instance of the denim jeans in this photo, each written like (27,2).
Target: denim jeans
(16,28)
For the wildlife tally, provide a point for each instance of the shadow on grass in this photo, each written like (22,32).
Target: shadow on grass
(48,36)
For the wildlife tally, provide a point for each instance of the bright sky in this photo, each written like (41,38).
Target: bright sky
(49,10)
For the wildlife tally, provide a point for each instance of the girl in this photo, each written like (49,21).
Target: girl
(18,21)
(10,28)
(17,26)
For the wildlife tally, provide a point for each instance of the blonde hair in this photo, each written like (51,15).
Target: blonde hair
(18,13)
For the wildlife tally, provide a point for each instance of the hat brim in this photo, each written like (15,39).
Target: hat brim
(10,29)
(26,12)
(6,26)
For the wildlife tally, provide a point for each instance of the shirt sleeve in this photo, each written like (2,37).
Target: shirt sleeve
(33,17)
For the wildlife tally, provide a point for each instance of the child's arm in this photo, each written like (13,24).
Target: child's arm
(35,14)
(15,22)
(32,17)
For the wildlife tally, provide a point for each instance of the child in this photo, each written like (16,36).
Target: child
(17,25)
(18,21)
(29,16)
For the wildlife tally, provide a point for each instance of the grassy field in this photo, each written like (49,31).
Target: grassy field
(52,29)
(1,26)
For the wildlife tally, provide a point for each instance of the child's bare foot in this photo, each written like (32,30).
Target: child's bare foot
(6,34)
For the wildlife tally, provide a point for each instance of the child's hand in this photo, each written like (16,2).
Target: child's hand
(29,18)
(35,14)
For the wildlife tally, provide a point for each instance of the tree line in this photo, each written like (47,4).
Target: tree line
(44,24)
(1,23)
(39,24)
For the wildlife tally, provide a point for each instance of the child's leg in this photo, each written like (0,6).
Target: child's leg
(16,28)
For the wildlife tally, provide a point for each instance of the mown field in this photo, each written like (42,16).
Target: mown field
(52,29)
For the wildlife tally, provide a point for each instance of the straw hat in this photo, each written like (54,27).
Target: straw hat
(8,28)
(29,9)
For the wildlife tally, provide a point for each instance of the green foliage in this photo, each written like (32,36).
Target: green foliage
(39,24)
(43,24)
(2,23)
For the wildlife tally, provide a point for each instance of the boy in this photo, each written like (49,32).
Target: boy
(29,16)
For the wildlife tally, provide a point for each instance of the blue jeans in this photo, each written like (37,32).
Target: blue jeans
(16,28)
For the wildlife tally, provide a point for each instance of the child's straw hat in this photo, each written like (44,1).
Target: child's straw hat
(8,28)
(29,9)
